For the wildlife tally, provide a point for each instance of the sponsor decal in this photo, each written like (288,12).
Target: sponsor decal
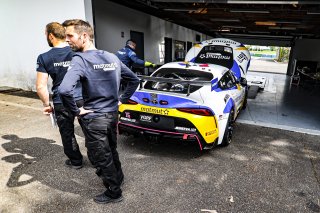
(105,67)
(146,118)
(62,64)
(215,56)
(155,111)
(242,57)
(185,129)
(128,119)
(224,41)
(211,132)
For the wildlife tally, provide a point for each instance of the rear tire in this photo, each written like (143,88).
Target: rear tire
(227,137)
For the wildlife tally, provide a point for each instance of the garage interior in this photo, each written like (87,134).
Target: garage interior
(286,102)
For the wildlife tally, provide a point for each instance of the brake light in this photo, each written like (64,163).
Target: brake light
(163,102)
(132,102)
(204,112)
(146,100)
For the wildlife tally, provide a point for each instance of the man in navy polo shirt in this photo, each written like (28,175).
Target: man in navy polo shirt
(128,56)
(99,73)
(55,63)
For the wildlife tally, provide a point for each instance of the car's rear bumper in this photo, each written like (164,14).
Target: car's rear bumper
(137,130)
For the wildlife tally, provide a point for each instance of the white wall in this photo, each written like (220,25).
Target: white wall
(22,35)
(111,19)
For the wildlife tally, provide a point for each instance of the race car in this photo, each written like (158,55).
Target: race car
(193,101)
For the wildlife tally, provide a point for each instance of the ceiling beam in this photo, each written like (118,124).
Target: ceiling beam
(238,1)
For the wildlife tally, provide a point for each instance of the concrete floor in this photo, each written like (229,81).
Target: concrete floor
(263,170)
(280,105)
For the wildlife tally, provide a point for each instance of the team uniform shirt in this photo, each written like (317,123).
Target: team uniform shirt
(100,73)
(55,62)
(128,57)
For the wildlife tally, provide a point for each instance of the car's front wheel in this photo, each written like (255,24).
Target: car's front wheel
(227,137)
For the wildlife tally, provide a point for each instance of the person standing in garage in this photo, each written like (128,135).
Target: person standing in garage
(55,63)
(128,56)
(99,73)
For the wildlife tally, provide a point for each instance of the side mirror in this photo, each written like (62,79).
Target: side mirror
(243,82)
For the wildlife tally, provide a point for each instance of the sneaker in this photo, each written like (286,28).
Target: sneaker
(104,199)
(69,164)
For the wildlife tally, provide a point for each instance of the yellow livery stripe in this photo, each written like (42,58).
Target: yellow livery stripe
(206,125)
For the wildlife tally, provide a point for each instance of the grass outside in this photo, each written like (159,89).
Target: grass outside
(267,52)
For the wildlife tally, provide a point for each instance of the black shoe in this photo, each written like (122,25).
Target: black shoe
(69,164)
(104,199)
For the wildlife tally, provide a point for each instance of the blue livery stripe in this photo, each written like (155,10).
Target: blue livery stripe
(193,60)
(229,106)
(214,84)
(236,70)
(173,102)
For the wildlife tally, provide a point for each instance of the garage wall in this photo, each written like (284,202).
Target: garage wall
(305,50)
(111,19)
(22,36)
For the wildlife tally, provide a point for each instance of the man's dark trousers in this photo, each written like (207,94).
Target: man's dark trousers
(65,121)
(101,142)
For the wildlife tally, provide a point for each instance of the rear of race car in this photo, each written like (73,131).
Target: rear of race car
(224,52)
(171,107)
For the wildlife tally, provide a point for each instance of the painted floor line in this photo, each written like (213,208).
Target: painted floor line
(283,127)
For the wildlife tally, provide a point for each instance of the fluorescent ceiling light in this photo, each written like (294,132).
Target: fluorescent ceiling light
(221,30)
(313,13)
(282,28)
(298,2)
(287,22)
(178,10)
(249,11)
(260,36)
(303,34)
(224,20)
(265,23)
(259,32)
(238,27)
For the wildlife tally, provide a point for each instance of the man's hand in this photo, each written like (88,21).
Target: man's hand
(84,111)
(149,64)
(47,110)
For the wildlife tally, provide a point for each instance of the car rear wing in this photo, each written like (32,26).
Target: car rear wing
(144,78)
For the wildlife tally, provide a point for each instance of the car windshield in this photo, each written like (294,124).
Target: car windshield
(180,74)
(214,54)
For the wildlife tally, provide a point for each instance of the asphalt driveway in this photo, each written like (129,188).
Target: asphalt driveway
(263,170)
